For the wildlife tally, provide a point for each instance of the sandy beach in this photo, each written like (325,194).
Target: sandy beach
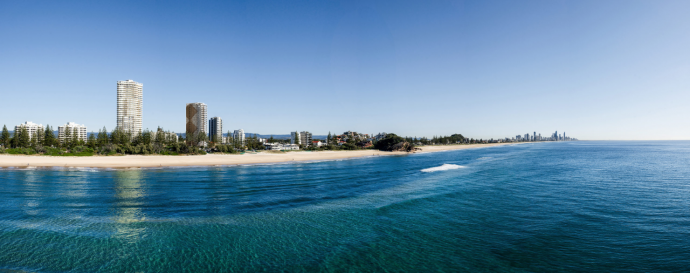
(143,161)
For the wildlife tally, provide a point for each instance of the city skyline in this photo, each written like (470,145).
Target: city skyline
(605,70)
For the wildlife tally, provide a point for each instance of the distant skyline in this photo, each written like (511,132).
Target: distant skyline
(485,69)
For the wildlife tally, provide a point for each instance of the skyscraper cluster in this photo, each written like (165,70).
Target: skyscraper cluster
(537,137)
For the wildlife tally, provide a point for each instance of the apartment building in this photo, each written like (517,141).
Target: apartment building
(130,106)
(31,128)
(215,129)
(74,129)
(196,118)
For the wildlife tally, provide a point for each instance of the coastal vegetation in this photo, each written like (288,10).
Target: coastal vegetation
(393,142)
(46,142)
(160,142)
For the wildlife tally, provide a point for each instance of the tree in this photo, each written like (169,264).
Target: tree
(119,136)
(49,139)
(102,137)
(5,137)
(91,142)
(75,137)
(328,138)
(145,137)
(23,140)
(160,136)
(34,139)
(296,138)
(387,143)
(40,136)
(14,141)
(67,137)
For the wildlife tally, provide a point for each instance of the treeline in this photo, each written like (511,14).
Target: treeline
(436,140)
(102,143)
(251,142)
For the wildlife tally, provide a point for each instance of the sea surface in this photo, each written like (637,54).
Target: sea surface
(588,206)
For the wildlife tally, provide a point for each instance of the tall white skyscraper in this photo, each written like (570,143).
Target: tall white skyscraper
(130,106)
(196,118)
(215,129)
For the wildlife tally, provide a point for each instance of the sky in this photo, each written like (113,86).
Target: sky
(616,70)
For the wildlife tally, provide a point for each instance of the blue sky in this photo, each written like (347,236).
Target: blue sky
(486,69)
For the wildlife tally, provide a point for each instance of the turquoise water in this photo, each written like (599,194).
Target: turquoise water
(569,206)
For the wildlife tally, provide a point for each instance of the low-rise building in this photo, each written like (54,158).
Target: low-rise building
(317,143)
(281,147)
(169,136)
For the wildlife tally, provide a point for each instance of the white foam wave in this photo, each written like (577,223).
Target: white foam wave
(443,167)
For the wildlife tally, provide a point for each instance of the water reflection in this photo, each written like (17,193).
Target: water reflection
(129,193)
(33,192)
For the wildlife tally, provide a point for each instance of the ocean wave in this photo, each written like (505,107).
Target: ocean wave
(443,167)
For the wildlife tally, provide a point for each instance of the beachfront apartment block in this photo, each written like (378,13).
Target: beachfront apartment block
(196,118)
(238,136)
(74,129)
(281,147)
(295,138)
(130,106)
(169,136)
(215,130)
(31,128)
(305,138)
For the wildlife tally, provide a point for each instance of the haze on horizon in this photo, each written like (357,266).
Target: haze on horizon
(594,69)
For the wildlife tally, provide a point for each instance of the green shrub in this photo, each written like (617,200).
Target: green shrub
(21,151)
(169,153)
(53,151)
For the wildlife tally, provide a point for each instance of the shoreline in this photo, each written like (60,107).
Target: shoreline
(157,161)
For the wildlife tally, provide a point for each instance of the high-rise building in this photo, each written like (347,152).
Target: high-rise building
(130,106)
(196,118)
(74,129)
(295,138)
(238,135)
(31,128)
(305,138)
(215,130)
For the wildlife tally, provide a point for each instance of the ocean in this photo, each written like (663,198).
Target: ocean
(587,206)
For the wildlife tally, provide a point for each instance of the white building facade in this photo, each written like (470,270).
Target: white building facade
(239,136)
(281,147)
(169,136)
(130,106)
(31,128)
(295,138)
(74,129)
